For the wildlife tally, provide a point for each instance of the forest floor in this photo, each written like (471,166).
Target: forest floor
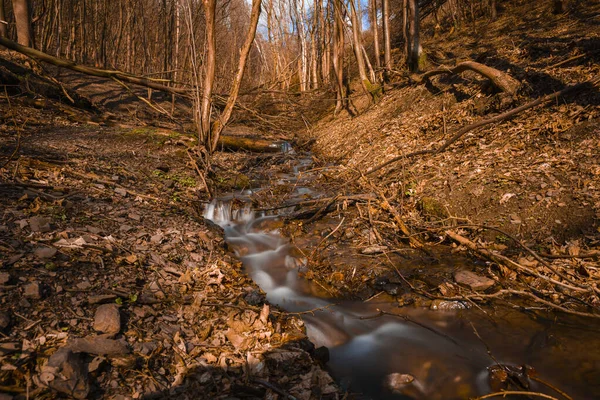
(523,193)
(114,286)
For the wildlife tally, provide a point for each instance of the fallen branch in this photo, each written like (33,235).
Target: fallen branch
(499,79)
(514,392)
(503,260)
(61,62)
(500,117)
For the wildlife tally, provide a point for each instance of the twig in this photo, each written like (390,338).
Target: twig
(325,238)
(274,388)
(200,174)
(511,392)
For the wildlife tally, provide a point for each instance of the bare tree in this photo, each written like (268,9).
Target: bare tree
(413,47)
(223,119)
(3,23)
(209,72)
(23,21)
(338,54)
(375,33)
(357,46)
(387,46)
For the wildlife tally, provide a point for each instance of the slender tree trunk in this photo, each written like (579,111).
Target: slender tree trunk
(338,54)
(493,10)
(220,123)
(357,46)
(326,64)
(414,46)
(3,23)
(375,33)
(209,72)
(369,66)
(23,21)
(387,46)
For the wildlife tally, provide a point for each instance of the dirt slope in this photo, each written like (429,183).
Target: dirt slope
(537,175)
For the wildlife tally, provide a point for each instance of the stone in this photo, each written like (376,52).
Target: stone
(33,290)
(446,305)
(472,280)
(44,253)
(99,345)
(107,319)
(375,249)
(4,320)
(121,191)
(66,373)
(4,278)
(39,224)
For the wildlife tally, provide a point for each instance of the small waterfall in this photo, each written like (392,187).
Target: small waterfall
(224,212)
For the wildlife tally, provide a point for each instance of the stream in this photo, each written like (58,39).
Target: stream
(417,353)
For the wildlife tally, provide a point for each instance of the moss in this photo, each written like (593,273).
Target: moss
(432,209)
(375,89)
(238,181)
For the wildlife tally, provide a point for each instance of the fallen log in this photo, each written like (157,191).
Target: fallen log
(103,73)
(253,144)
(499,79)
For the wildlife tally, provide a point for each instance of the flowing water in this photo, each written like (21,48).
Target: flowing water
(419,354)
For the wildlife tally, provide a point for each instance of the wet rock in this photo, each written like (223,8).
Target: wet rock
(4,320)
(66,373)
(44,253)
(446,305)
(374,249)
(472,280)
(39,224)
(392,289)
(99,345)
(107,319)
(403,384)
(33,290)
(254,298)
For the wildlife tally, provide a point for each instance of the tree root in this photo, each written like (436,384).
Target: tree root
(499,79)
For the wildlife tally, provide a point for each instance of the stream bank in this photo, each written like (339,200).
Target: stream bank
(385,340)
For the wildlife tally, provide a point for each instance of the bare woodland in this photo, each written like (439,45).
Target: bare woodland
(299,199)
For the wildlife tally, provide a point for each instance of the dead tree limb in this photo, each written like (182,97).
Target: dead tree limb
(499,79)
(589,84)
(61,62)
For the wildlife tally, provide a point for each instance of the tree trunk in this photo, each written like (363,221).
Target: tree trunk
(357,46)
(209,73)
(387,46)
(375,33)
(338,54)
(220,123)
(413,36)
(3,23)
(23,21)
(493,10)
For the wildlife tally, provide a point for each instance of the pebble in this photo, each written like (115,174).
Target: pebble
(66,373)
(4,320)
(107,319)
(33,291)
(39,224)
(4,278)
(44,252)
(121,191)
(472,280)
